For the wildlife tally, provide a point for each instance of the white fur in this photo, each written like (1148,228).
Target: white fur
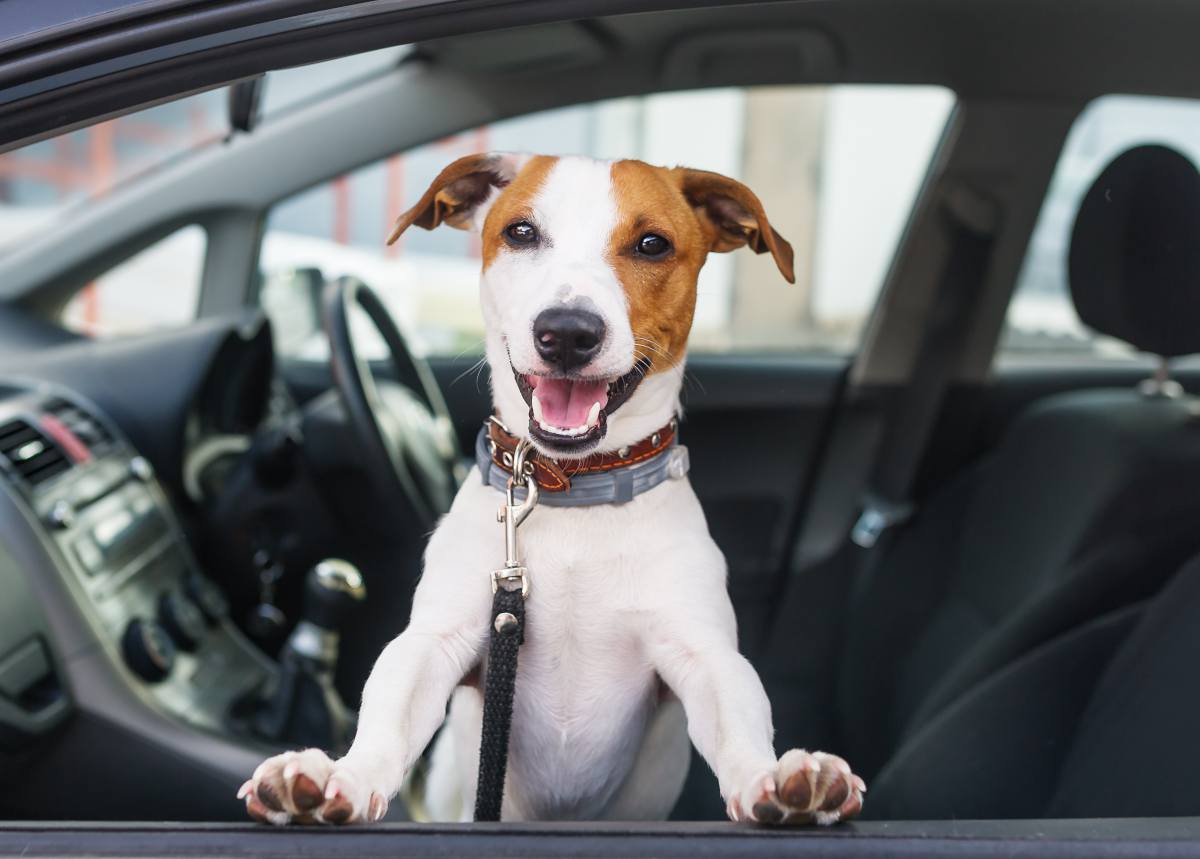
(627,617)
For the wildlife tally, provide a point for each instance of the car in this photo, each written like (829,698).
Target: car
(951,468)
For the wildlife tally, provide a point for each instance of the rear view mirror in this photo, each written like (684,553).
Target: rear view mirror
(245,103)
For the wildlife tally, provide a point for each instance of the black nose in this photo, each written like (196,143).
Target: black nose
(568,337)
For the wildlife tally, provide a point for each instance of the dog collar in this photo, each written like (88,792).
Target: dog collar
(607,478)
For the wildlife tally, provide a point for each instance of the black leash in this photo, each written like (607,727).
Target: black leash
(510,588)
(508,633)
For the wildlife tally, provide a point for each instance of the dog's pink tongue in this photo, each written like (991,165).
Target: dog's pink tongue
(565,403)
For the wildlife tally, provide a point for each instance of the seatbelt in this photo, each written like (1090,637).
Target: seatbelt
(971,224)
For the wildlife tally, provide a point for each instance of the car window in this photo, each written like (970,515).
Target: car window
(1041,320)
(837,167)
(133,297)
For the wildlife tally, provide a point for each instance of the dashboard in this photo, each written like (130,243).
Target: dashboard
(107,620)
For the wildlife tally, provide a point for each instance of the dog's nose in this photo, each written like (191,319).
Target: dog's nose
(568,337)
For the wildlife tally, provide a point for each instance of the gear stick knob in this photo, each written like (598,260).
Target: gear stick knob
(304,707)
(332,589)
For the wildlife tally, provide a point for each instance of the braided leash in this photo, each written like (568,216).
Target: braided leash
(510,588)
(508,622)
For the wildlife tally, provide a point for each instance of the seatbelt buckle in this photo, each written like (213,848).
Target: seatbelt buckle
(878,515)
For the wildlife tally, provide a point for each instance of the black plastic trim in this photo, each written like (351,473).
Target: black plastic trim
(1062,839)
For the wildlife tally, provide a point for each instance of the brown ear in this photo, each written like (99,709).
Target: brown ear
(735,217)
(457,192)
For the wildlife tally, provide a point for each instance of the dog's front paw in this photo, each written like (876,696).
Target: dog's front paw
(805,787)
(309,787)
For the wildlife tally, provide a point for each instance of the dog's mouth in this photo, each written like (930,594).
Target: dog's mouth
(569,414)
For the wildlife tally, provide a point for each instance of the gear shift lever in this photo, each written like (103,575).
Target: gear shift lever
(305,708)
(331,591)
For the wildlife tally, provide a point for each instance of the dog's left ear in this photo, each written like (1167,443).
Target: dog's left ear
(735,217)
(456,194)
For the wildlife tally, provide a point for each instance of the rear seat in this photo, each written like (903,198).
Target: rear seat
(1086,508)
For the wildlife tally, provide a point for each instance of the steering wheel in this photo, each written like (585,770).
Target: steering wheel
(402,423)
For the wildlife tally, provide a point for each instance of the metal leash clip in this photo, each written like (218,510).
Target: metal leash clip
(513,574)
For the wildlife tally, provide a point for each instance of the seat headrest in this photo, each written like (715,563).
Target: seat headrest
(1134,264)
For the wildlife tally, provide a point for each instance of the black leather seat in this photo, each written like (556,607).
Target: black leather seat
(980,634)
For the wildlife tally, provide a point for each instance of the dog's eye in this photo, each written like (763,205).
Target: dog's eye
(652,245)
(521,233)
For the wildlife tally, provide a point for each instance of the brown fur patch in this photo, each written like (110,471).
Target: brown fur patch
(452,195)
(733,217)
(515,203)
(661,293)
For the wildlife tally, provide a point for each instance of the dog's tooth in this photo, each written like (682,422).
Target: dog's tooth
(593,416)
(537,410)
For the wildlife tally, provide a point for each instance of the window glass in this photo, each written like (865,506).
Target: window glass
(41,182)
(837,168)
(155,288)
(1041,317)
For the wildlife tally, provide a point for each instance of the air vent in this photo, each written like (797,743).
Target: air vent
(31,454)
(86,428)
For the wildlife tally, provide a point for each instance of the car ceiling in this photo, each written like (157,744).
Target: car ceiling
(1016,48)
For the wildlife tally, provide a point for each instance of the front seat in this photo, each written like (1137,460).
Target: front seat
(1085,507)
(1099,722)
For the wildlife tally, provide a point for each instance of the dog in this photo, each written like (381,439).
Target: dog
(588,288)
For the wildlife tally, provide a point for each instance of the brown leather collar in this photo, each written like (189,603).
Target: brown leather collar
(555,475)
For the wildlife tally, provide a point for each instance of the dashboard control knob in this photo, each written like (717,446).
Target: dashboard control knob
(182,620)
(211,600)
(148,650)
(61,515)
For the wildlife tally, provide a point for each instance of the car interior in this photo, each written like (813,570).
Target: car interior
(952,470)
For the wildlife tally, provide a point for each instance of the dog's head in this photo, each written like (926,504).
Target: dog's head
(589,284)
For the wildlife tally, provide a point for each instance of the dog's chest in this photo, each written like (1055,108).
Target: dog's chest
(585,687)
(584,615)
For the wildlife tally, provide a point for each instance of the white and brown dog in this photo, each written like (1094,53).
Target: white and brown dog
(588,291)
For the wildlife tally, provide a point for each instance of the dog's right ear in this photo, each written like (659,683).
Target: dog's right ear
(458,191)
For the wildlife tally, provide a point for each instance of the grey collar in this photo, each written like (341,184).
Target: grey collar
(618,486)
